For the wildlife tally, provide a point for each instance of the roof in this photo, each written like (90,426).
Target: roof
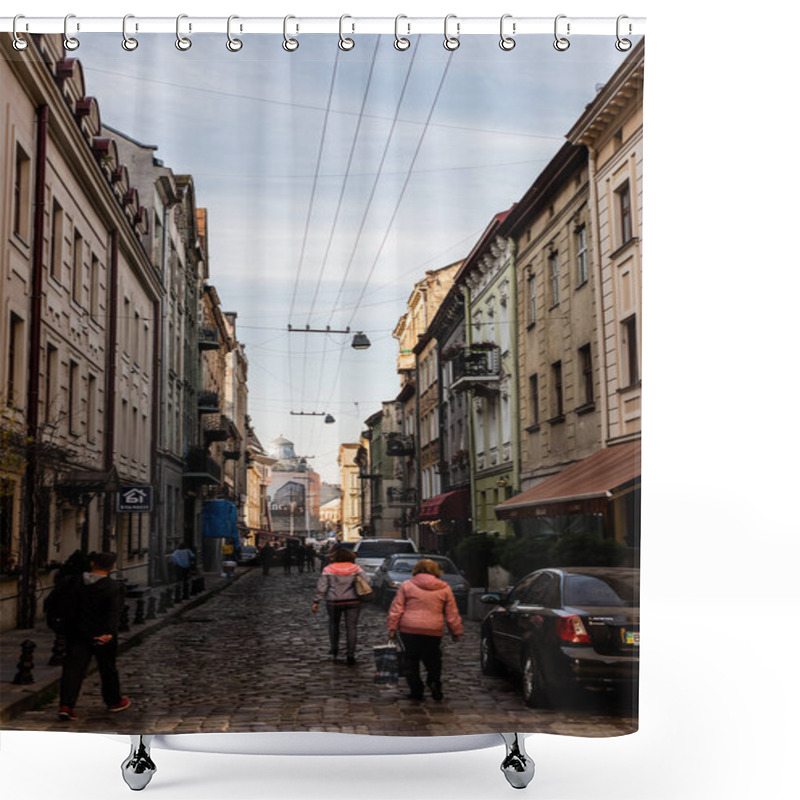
(594,478)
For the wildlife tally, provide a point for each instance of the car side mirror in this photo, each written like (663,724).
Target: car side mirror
(492,599)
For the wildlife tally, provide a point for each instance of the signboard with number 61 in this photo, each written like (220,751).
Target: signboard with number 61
(135,499)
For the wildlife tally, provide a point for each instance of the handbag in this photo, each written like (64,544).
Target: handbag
(362,587)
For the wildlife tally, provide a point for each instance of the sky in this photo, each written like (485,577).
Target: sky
(334,179)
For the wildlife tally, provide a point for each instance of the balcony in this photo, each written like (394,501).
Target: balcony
(202,469)
(207,337)
(231,455)
(208,403)
(477,368)
(398,444)
(219,431)
(401,497)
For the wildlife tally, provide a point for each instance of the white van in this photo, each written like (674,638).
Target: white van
(371,553)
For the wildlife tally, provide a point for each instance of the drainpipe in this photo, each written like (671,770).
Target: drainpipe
(26,607)
(514,400)
(111,381)
(598,296)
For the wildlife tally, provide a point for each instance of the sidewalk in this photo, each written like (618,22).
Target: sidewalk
(15,698)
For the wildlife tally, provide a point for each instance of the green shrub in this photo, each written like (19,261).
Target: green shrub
(586,550)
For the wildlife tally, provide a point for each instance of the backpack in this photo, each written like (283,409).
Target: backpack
(61,605)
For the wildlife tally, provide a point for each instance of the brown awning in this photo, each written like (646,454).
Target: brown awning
(583,487)
(450,505)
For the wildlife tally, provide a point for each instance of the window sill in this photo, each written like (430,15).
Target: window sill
(624,246)
(630,387)
(586,408)
(531,326)
(556,420)
(20,242)
(581,284)
(533,428)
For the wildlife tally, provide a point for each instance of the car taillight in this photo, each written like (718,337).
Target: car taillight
(571,629)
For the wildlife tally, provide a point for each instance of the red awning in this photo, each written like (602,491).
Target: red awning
(588,484)
(450,505)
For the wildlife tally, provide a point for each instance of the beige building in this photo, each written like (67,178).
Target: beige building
(351,501)
(79,315)
(611,130)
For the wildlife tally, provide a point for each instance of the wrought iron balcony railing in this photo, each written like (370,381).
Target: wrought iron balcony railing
(476,367)
(207,337)
(401,497)
(398,444)
(208,402)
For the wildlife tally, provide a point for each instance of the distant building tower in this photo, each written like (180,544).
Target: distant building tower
(282,449)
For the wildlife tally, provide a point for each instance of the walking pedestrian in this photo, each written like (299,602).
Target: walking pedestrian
(310,557)
(419,611)
(300,555)
(183,558)
(266,559)
(92,631)
(336,585)
(287,560)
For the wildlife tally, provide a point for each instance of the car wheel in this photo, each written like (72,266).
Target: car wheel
(489,662)
(533,691)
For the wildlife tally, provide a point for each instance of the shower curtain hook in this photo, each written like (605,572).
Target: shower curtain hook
(19,42)
(128,42)
(623,45)
(451,42)
(289,45)
(400,42)
(344,42)
(506,42)
(70,42)
(561,43)
(233,44)
(183,43)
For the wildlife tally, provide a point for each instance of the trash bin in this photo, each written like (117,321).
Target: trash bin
(227,568)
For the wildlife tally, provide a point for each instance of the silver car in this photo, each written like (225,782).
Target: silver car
(371,553)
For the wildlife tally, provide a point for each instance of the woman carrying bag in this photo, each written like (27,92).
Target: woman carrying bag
(419,611)
(337,584)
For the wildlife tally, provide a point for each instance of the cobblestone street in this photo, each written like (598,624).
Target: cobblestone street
(254,658)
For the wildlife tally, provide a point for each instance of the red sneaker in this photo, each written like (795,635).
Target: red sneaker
(121,706)
(65,713)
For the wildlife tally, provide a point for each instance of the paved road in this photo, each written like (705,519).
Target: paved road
(254,658)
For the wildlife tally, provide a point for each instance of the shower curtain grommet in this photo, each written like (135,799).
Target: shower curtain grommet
(623,45)
(183,43)
(451,42)
(128,42)
(233,44)
(561,43)
(70,42)
(507,42)
(345,43)
(19,43)
(289,44)
(400,42)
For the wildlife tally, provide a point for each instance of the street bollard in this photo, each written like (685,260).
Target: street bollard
(168,598)
(138,617)
(185,589)
(162,603)
(178,594)
(151,607)
(201,584)
(58,651)
(25,664)
(124,619)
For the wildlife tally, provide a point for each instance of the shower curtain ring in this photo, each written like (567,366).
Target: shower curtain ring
(561,43)
(70,42)
(233,44)
(506,42)
(128,42)
(451,42)
(623,44)
(344,42)
(290,45)
(400,42)
(183,43)
(19,42)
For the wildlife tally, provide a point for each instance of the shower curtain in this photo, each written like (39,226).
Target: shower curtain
(307,298)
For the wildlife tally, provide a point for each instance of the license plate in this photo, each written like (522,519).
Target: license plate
(630,637)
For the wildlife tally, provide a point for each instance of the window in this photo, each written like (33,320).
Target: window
(56,240)
(533,382)
(126,326)
(73,398)
(50,383)
(22,183)
(587,377)
(581,255)
(77,266)
(532,299)
(7,493)
(14,362)
(553,270)
(624,209)
(91,408)
(558,390)
(94,286)
(631,350)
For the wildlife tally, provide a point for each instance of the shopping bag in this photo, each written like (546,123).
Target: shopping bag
(387,664)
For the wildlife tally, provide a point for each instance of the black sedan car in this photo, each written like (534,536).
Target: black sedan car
(565,628)
(397,568)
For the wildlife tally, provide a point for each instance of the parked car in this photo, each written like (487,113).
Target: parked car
(370,553)
(565,628)
(396,569)
(248,556)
